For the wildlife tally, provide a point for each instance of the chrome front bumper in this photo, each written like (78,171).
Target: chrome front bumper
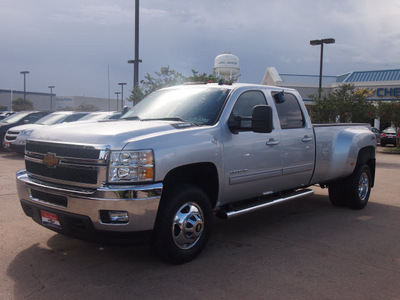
(139,201)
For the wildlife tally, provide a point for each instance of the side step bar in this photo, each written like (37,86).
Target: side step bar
(225,214)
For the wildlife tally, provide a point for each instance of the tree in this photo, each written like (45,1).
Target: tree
(389,113)
(362,111)
(136,95)
(87,107)
(168,77)
(345,104)
(203,77)
(20,104)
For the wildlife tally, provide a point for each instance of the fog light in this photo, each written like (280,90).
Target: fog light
(118,216)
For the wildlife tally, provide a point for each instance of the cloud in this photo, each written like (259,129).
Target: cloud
(72,43)
(104,14)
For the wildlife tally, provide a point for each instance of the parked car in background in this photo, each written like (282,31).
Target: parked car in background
(6,114)
(101,115)
(23,117)
(15,138)
(398,138)
(388,136)
(377,134)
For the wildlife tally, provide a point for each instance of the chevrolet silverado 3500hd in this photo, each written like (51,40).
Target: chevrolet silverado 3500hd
(183,154)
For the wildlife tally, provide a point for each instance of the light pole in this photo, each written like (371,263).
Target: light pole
(24,73)
(11,90)
(135,76)
(321,42)
(51,87)
(117,93)
(122,93)
(136,61)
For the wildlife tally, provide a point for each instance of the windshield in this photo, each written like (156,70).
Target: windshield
(16,117)
(51,119)
(196,105)
(389,130)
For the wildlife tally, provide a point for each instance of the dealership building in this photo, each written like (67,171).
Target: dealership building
(385,84)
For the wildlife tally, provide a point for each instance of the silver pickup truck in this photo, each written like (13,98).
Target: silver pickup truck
(185,154)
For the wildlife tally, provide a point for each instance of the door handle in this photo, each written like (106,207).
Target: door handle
(272,142)
(307,139)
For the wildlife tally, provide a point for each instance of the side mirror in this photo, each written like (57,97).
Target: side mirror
(279,97)
(262,119)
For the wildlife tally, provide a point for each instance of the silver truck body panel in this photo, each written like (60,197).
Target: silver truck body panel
(141,202)
(337,148)
(248,164)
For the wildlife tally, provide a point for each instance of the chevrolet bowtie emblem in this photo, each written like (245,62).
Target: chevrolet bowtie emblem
(51,160)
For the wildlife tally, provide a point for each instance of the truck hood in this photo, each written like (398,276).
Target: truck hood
(114,134)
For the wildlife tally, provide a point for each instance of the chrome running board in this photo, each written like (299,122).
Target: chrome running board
(234,211)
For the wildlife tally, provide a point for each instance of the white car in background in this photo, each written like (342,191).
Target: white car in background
(16,137)
(101,115)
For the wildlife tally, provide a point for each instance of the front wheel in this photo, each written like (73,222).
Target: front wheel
(183,225)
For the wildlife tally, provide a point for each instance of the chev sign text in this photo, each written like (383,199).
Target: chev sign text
(388,92)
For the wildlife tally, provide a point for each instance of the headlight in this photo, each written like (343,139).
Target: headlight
(131,166)
(26,132)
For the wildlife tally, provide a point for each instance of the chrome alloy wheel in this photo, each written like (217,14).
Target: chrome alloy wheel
(363,186)
(188,225)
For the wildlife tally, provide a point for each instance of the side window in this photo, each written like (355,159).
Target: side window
(289,112)
(245,104)
(73,117)
(32,118)
(115,117)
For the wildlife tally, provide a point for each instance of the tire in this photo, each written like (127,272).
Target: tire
(2,149)
(353,191)
(359,187)
(183,224)
(383,144)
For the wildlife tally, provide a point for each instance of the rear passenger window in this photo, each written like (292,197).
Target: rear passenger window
(289,111)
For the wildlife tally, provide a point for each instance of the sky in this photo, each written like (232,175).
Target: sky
(82,46)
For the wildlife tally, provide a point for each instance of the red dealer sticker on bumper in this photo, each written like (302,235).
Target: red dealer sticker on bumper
(51,220)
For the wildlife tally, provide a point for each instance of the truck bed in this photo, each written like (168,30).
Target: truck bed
(337,147)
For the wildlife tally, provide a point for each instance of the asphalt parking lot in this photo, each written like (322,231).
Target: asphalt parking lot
(306,249)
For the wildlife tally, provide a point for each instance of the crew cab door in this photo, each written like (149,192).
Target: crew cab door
(252,161)
(297,140)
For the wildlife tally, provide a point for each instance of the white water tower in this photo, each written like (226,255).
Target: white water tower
(226,65)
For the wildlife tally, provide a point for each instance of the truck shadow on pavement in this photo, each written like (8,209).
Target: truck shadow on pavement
(249,256)
(12,155)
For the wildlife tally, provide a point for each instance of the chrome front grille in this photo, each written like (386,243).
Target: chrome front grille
(76,165)
(11,135)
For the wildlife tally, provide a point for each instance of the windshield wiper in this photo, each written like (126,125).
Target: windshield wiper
(131,118)
(170,119)
(165,119)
